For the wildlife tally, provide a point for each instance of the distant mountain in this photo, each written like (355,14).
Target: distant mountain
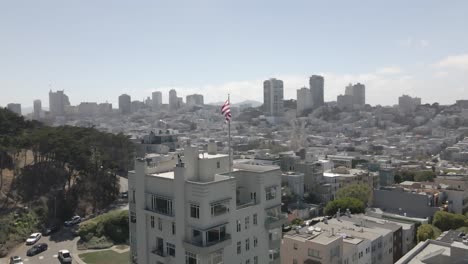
(251,102)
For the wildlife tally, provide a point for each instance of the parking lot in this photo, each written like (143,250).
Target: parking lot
(60,240)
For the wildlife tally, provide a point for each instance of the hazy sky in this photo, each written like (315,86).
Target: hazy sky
(96,50)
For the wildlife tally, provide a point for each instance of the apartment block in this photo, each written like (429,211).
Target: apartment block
(199,212)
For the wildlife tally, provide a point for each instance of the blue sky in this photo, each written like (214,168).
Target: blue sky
(96,50)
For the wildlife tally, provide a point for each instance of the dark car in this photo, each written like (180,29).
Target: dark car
(124,195)
(36,249)
(50,230)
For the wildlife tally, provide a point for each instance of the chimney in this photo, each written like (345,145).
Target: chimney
(212,148)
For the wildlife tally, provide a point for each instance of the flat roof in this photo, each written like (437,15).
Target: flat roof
(167,175)
(255,168)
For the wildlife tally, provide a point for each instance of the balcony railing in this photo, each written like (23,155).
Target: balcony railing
(200,243)
(275,221)
(163,212)
(159,252)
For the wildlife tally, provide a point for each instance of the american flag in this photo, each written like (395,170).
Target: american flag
(226,110)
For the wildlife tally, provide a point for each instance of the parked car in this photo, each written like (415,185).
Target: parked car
(33,238)
(16,260)
(36,249)
(50,230)
(73,221)
(64,256)
(124,195)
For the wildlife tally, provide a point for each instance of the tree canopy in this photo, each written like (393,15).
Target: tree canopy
(356,206)
(358,191)
(446,221)
(427,231)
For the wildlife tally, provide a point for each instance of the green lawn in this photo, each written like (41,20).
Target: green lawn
(106,257)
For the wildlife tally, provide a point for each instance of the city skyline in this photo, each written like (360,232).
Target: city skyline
(392,48)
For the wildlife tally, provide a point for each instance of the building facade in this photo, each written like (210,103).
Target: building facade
(156,99)
(37,105)
(125,104)
(316,83)
(304,100)
(200,213)
(273,95)
(194,99)
(58,101)
(15,108)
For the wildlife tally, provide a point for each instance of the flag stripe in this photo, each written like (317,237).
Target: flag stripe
(226,111)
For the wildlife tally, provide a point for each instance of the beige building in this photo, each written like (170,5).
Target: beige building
(311,247)
(199,213)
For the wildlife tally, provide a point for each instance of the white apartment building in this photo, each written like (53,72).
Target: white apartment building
(199,213)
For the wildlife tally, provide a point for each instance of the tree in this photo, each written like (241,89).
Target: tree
(356,206)
(358,191)
(422,176)
(446,221)
(425,232)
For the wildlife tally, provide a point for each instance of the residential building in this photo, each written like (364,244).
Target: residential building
(449,247)
(358,92)
(202,213)
(304,100)
(273,95)
(88,109)
(105,108)
(345,102)
(316,84)
(15,108)
(125,104)
(58,101)
(295,182)
(173,100)
(194,99)
(156,99)
(408,103)
(409,200)
(37,105)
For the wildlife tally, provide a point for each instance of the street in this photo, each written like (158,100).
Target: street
(60,240)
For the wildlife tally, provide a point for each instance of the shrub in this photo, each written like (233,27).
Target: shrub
(446,221)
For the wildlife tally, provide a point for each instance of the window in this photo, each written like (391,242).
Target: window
(216,234)
(132,217)
(270,193)
(247,244)
(255,260)
(133,196)
(314,253)
(219,208)
(173,228)
(295,246)
(294,261)
(238,223)
(255,219)
(255,241)
(218,164)
(159,224)
(239,247)
(152,221)
(161,204)
(194,211)
(217,257)
(190,258)
(247,222)
(247,261)
(170,249)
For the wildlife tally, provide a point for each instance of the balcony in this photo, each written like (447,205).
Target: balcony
(161,256)
(275,221)
(204,247)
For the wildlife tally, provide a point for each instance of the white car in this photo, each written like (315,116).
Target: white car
(16,260)
(33,238)
(64,256)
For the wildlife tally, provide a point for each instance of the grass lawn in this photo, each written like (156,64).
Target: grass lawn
(106,257)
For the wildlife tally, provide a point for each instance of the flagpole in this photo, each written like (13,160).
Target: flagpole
(229,141)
